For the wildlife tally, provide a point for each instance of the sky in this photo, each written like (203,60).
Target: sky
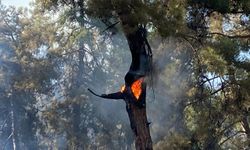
(17,3)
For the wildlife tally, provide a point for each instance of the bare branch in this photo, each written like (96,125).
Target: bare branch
(231,36)
(115,96)
(11,134)
(233,135)
(229,126)
(4,122)
(218,90)
(209,79)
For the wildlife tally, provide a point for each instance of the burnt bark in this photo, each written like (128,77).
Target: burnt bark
(138,119)
(136,107)
(139,68)
(140,127)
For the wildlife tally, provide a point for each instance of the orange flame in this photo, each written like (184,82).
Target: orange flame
(135,87)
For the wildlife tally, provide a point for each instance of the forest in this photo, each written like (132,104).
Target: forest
(125,75)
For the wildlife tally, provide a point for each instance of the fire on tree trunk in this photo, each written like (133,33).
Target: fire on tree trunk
(136,108)
(135,96)
(134,90)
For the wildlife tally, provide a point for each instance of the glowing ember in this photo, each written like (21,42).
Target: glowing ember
(136,88)
(123,88)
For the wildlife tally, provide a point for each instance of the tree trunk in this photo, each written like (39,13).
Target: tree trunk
(76,112)
(139,68)
(13,131)
(140,126)
(135,81)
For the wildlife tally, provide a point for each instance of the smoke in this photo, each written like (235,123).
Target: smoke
(170,77)
(7,66)
(163,96)
(113,112)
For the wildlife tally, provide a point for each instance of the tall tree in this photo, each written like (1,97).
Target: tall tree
(51,56)
(200,23)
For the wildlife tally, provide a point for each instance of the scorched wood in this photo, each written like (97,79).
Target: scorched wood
(134,90)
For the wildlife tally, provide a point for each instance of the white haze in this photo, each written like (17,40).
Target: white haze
(163,98)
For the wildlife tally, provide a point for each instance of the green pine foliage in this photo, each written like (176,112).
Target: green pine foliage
(51,54)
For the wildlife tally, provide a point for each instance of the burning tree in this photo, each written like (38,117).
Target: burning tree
(134,17)
(134,90)
(213,110)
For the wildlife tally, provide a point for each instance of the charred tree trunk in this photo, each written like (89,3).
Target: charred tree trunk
(138,120)
(134,92)
(140,127)
(139,68)
(141,65)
